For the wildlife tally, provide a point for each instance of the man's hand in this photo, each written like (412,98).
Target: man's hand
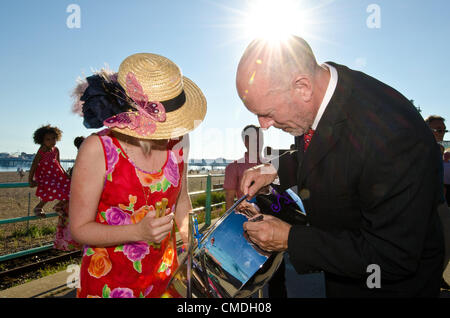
(248,209)
(256,178)
(271,234)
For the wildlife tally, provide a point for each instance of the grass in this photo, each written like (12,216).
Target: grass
(34,231)
(200,199)
(46,271)
(53,269)
(214,214)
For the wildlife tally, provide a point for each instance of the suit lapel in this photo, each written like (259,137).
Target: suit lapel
(329,129)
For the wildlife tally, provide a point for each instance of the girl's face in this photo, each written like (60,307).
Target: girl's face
(49,140)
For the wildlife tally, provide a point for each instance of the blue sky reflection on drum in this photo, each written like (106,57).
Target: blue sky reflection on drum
(42,55)
(235,254)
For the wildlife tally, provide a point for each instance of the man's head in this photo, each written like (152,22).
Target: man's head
(253,139)
(447,155)
(282,84)
(437,126)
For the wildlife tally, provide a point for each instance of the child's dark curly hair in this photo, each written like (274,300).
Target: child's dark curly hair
(40,133)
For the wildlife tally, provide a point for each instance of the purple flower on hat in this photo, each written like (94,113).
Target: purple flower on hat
(136,251)
(115,216)
(171,170)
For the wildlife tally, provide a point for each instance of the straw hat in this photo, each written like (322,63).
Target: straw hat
(161,81)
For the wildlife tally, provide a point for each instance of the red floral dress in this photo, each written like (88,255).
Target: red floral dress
(135,269)
(63,239)
(53,182)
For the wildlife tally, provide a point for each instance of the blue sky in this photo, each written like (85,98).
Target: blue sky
(41,58)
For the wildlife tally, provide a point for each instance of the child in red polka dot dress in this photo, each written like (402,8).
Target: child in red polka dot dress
(53,183)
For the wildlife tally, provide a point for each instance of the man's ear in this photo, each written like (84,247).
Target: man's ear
(302,85)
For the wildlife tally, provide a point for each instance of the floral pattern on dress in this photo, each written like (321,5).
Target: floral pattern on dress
(163,179)
(133,269)
(112,156)
(171,170)
(135,252)
(121,292)
(100,264)
(166,262)
(117,292)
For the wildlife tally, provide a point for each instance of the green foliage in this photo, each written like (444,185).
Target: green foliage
(218,212)
(34,231)
(200,200)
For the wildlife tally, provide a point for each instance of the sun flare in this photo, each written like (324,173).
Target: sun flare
(273,20)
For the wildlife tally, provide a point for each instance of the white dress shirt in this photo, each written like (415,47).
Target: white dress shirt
(328,94)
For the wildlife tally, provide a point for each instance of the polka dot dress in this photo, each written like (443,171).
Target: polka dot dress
(53,183)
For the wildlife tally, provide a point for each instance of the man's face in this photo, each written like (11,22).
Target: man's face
(438,128)
(280,109)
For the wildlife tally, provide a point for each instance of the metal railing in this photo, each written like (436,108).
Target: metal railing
(207,208)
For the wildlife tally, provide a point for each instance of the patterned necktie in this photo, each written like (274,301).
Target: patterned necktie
(307,138)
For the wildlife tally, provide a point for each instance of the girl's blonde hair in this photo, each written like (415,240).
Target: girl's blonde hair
(146,145)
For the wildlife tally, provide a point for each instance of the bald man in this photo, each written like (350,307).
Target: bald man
(366,169)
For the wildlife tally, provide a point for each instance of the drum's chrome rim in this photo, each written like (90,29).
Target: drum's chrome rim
(196,245)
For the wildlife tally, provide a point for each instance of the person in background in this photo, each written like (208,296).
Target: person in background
(21,173)
(52,181)
(437,126)
(78,141)
(63,239)
(129,181)
(446,159)
(445,213)
(253,139)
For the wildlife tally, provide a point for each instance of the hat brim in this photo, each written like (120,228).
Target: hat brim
(179,122)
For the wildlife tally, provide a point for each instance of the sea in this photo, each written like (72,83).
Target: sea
(26,167)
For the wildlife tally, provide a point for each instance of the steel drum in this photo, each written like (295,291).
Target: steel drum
(225,263)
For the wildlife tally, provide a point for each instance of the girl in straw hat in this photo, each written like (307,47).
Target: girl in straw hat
(129,181)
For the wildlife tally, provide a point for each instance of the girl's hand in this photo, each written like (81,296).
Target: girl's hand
(155,229)
(32,183)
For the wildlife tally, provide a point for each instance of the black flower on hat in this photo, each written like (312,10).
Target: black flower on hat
(101,100)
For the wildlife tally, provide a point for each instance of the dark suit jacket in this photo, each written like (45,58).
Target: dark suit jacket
(369,182)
